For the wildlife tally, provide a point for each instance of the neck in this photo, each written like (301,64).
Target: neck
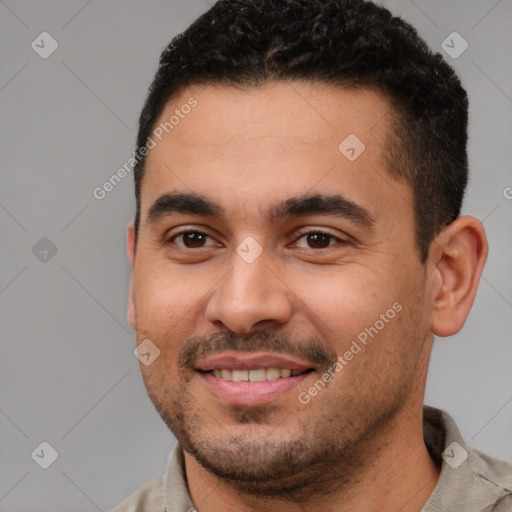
(399,474)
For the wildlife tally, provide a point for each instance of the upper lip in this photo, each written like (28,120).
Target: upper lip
(231,360)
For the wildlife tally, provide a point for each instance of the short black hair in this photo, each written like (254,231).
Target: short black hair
(347,43)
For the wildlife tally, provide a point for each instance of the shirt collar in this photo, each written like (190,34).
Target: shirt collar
(469,479)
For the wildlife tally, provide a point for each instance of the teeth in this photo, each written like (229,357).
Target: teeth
(240,375)
(258,375)
(273,373)
(225,374)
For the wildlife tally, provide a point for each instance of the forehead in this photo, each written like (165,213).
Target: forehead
(311,112)
(256,146)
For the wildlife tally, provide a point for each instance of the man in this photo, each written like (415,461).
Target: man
(300,171)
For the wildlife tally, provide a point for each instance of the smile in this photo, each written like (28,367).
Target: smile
(250,379)
(256,375)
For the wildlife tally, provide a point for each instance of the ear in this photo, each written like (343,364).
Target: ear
(130,248)
(458,256)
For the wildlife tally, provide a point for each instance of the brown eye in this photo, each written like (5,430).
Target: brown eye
(190,239)
(317,240)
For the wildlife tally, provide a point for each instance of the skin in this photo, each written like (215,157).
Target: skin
(358,444)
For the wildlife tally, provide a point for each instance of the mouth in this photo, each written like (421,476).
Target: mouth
(252,378)
(257,374)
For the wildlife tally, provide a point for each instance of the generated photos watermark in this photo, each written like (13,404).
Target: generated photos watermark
(305,397)
(166,127)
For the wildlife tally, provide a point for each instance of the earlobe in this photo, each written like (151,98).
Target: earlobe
(131,314)
(130,248)
(460,254)
(130,243)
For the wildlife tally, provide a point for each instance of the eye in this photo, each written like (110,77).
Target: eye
(189,239)
(318,240)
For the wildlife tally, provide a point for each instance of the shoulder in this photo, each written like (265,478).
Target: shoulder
(496,476)
(149,496)
(469,480)
(166,492)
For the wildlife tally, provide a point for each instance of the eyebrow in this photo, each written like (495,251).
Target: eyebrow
(318,204)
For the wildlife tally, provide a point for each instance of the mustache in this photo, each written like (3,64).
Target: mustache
(312,350)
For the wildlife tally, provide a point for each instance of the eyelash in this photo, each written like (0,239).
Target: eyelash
(300,235)
(338,240)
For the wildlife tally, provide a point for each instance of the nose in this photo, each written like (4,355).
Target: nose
(250,295)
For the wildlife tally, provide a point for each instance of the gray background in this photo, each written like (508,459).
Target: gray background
(68,122)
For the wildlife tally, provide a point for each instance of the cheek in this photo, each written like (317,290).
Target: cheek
(344,303)
(163,295)
(169,302)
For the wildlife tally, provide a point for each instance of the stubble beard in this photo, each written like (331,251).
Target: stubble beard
(321,454)
(325,452)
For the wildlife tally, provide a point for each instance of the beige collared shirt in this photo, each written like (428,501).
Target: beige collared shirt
(469,482)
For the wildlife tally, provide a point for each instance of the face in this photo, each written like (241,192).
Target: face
(277,274)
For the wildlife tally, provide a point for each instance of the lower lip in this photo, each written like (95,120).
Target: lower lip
(251,393)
